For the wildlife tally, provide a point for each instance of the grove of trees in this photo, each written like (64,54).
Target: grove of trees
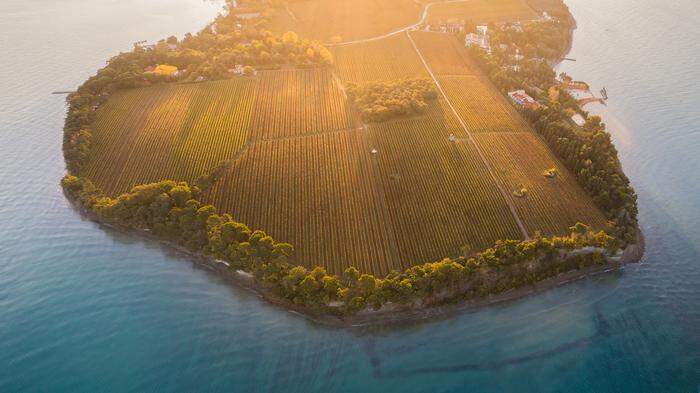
(383,100)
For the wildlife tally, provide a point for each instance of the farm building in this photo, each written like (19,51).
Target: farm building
(523,99)
(480,38)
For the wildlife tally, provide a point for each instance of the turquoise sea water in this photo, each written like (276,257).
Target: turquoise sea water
(85,309)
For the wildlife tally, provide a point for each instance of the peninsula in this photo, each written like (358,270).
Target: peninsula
(359,161)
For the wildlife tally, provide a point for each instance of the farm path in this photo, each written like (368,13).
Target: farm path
(508,200)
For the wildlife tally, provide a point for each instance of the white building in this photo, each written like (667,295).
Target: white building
(578,120)
(481,39)
(518,56)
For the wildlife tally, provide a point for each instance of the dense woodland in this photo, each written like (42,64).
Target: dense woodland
(171,211)
(383,100)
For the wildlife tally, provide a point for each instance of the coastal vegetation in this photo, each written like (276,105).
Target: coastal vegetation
(587,151)
(268,127)
(171,211)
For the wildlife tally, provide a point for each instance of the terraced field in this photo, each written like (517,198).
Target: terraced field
(482,11)
(551,205)
(389,58)
(346,20)
(297,102)
(168,132)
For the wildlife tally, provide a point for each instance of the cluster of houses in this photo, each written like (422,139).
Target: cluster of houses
(480,38)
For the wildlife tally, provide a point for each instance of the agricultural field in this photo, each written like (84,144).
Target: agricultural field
(440,194)
(326,20)
(168,132)
(481,106)
(381,196)
(551,205)
(418,199)
(386,59)
(445,54)
(481,11)
(317,192)
(297,102)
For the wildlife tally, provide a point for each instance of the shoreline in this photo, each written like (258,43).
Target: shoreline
(367,318)
(442,305)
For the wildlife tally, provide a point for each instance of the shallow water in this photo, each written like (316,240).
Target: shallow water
(85,309)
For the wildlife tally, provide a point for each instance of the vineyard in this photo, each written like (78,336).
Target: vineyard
(389,58)
(407,189)
(319,193)
(482,107)
(168,132)
(297,102)
(418,198)
(552,204)
(326,20)
(481,11)
(445,54)
(439,192)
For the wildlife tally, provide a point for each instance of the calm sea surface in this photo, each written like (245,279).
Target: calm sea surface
(86,309)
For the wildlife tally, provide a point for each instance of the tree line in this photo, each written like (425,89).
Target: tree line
(587,151)
(172,211)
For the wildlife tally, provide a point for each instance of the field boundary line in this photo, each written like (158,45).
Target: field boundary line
(509,202)
(308,135)
(503,132)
